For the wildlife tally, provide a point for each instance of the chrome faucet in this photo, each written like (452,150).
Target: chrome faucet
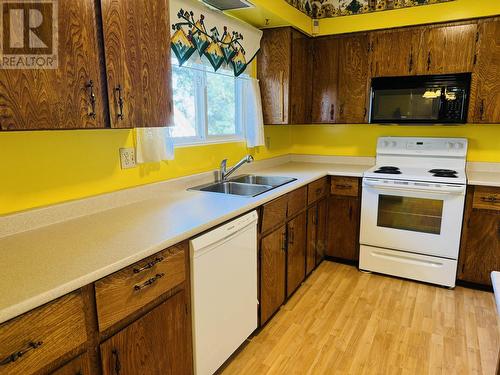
(223,173)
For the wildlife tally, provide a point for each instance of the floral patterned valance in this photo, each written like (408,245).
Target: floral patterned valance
(222,40)
(335,8)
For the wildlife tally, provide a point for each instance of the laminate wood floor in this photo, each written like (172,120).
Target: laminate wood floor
(342,321)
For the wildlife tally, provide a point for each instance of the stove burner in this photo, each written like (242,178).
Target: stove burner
(388,170)
(447,171)
(449,175)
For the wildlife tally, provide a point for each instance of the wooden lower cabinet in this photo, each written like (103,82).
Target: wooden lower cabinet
(272,273)
(480,248)
(321,238)
(78,366)
(316,235)
(343,227)
(296,251)
(155,344)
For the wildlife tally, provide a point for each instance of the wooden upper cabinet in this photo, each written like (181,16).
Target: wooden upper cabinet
(273,65)
(395,53)
(137,51)
(353,79)
(485,106)
(447,49)
(325,80)
(300,79)
(58,98)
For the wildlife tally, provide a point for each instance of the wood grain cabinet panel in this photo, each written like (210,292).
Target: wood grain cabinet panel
(137,50)
(322,239)
(273,61)
(485,106)
(296,252)
(36,339)
(353,79)
(480,245)
(317,190)
(58,98)
(395,52)
(78,366)
(325,80)
(348,186)
(447,49)
(343,227)
(297,201)
(274,213)
(300,79)
(272,273)
(126,291)
(157,343)
(312,238)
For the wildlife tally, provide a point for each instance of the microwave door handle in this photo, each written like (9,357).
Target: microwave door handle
(448,190)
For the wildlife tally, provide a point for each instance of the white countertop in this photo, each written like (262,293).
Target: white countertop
(483,174)
(42,264)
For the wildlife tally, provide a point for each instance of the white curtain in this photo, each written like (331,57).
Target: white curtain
(253,118)
(153,145)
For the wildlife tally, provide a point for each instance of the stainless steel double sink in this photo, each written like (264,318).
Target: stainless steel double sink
(246,185)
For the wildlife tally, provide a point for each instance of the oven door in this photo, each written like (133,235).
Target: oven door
(418,217)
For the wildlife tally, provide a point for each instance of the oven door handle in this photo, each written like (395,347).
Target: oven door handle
(455,190)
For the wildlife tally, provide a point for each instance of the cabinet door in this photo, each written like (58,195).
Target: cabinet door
(273,64)
(325,80)
(486,78)
(157,343)
(296,253)
(78,366)
(312,238)
(343,227)
(353,79)
(447,49)
(272,273)
(321,241)
(481,252)
(395,53)
(300,79)
(58,98)
(137,49)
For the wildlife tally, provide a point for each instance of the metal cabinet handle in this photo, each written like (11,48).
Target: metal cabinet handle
(283,241)
(490,199)
(282,95)
(481,109)
(118,365)
(410,63)
(291,238)
(332,112)
(343,187)
(319,191)
(316,217)
(149,282)
(32,345)
(121,102)
(92,98)
(429,61)
(149,265)
(342,109)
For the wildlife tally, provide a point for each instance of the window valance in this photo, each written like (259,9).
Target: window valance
(219,38)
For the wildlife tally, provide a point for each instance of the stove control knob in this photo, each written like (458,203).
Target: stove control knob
(451,145)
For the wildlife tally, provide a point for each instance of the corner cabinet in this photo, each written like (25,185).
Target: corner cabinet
(480,245)
(68,97)
(138,67)
(284,70)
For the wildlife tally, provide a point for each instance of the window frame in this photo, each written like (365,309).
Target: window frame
(201,107)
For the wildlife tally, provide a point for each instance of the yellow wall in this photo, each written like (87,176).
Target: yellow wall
(442,12)
(360,140)
(46,167)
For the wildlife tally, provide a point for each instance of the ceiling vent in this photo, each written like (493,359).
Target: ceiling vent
(229,4)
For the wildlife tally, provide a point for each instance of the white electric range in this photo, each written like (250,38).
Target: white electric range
(412,209)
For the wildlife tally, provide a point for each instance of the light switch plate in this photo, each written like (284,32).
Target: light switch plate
(127,158)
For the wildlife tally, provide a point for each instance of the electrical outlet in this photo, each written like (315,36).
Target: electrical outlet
(127,158)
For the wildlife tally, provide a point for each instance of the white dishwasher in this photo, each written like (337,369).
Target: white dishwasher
(224,291)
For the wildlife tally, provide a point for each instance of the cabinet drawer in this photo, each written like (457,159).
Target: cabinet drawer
(348,186)
(128,290)
(32,341)
(297,200)
(486,198)
(274,213)
(317,190)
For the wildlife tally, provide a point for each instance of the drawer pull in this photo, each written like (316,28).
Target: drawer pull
(148,282)
(490,199)
(149,265)
(343,187)
(118,365)
(319,191)
(15,356)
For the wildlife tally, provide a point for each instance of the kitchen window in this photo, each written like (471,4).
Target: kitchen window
(207,105)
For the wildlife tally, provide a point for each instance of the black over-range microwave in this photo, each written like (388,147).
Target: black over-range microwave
(437,99)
